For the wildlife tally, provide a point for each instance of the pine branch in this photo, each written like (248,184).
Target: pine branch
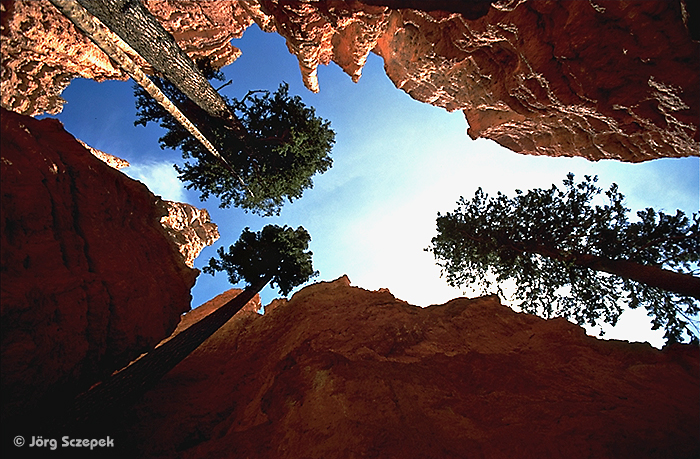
(114,47)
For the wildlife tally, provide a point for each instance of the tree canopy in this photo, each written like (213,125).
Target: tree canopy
(276,254)
(568,257)
(282,146)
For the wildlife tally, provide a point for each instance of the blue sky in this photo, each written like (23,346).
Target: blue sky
(397,162)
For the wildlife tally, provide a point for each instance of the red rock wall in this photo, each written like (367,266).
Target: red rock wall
(90,279)
(602,80)
(41,53)
(340,372)
(599,79)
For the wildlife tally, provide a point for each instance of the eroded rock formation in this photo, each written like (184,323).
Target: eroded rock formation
(110,160)
(341,372)
(599,79)
(90,279)
(190,228)
(41,53)
(205,29)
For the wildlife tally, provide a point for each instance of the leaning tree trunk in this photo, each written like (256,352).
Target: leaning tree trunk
(682,284)
(111,46)
(141,30)
(106,400)
(653,276)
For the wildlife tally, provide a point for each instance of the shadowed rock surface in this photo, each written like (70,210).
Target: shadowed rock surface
(340,372)
(90,279)
(601,80)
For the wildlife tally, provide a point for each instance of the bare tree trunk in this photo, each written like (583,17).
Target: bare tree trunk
(111,45)
(141,30)
(653,276)
(120,390)
(682,284)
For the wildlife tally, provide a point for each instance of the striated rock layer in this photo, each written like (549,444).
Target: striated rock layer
(90,279)
(599,79)
(340,372)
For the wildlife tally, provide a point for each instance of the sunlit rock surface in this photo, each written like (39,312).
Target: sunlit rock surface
(110,160)
(190,228)
(340,372)
(90,279)
(602,80)
(205,29)
(599,79)
(41,52)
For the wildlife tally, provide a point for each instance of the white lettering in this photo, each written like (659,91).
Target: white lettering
(80,442)
(41,442)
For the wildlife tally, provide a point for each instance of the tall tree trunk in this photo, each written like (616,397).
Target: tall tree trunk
(120,390)
(111,45)
(653,276)
(141,30)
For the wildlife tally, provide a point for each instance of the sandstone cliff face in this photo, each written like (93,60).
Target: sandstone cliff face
(340,372)
(205,29)
(617,80)
(41,52)
(188,227)
(603,79)
(90,279)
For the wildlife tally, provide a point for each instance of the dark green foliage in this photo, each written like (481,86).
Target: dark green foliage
(548,243)
(279,253)
(285,145)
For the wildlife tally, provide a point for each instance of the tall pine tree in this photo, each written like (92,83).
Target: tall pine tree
(571,258)
(284,146)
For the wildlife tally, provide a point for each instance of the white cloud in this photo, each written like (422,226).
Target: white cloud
(160,178)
